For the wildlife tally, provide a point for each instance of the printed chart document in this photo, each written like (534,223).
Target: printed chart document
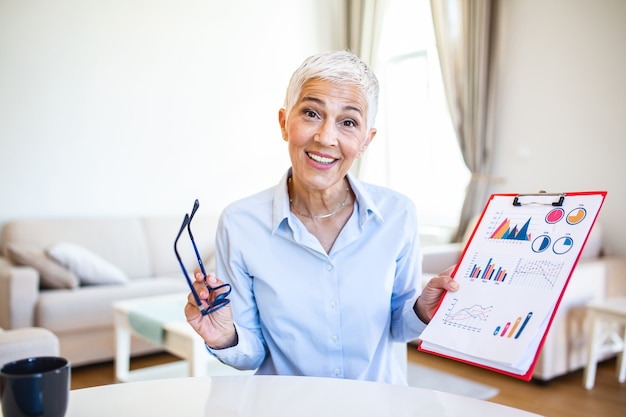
(512,275)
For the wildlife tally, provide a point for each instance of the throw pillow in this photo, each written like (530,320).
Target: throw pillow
(52,275)
(90,268)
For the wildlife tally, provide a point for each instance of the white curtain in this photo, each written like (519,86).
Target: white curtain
(364,22)
(465,35)
(363,25)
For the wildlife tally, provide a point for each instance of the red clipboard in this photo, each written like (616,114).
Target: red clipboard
(512,273)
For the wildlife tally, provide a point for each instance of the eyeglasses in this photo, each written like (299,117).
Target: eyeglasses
(220,299)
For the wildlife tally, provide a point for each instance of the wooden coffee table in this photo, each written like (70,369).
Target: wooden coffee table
(177,338)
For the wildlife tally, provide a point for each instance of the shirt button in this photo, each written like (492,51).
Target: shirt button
(334,338)
(332,303)
(336,371)
(329,267)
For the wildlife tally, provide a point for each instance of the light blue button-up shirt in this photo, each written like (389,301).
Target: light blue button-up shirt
(301,311)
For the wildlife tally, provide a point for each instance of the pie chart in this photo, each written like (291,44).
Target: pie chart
(576,216)
(563,245)
(555,215)
(541,243)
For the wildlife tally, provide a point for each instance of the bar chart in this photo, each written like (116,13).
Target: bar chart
(490,272)
(513,329)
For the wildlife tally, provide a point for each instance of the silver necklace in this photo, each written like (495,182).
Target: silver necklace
(321,216)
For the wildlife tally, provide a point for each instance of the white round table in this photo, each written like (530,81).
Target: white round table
(273,396)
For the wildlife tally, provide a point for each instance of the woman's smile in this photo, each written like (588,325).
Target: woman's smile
(324,160)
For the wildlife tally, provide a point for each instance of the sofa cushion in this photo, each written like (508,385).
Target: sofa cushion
(90,268)
(121,241)
(51,273)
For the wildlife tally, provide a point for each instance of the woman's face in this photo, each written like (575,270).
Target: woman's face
(326,132)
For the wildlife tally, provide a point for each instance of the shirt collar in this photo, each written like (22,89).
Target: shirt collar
(366,206)
(281,211)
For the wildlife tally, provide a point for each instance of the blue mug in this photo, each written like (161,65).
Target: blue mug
(38,386)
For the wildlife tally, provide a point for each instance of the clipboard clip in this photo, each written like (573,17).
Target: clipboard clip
(558,203)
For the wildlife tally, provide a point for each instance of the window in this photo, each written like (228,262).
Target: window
(416,151)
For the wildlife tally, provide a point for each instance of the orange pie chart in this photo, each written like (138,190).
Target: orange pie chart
(576,216)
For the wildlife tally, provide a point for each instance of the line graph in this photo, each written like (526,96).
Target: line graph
(470,318)
(541,274)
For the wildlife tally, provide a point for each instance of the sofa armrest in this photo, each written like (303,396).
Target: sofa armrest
(19,291)
(437,258)
(27,342)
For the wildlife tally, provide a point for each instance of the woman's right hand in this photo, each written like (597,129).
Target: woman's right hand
(216,328)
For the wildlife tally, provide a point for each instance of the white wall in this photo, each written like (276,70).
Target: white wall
(561,123)
(140,106)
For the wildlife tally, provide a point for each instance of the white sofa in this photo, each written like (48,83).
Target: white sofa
(595,277)
(81,316)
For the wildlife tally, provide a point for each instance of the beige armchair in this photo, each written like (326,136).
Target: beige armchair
(27,342)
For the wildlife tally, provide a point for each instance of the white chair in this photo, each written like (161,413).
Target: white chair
(27,342)
(608,320)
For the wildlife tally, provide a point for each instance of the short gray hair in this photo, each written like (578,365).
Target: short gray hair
(339,67)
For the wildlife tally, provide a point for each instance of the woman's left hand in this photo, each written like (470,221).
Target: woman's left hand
(428,301)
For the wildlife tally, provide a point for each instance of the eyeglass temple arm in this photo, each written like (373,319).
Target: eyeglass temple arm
(196,205)
(195,294)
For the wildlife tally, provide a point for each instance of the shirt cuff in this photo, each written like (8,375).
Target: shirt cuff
(240,356)
(413,326)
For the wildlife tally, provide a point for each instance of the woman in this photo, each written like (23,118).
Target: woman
(325,269)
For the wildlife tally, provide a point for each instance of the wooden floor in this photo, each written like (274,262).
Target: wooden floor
(562,397)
